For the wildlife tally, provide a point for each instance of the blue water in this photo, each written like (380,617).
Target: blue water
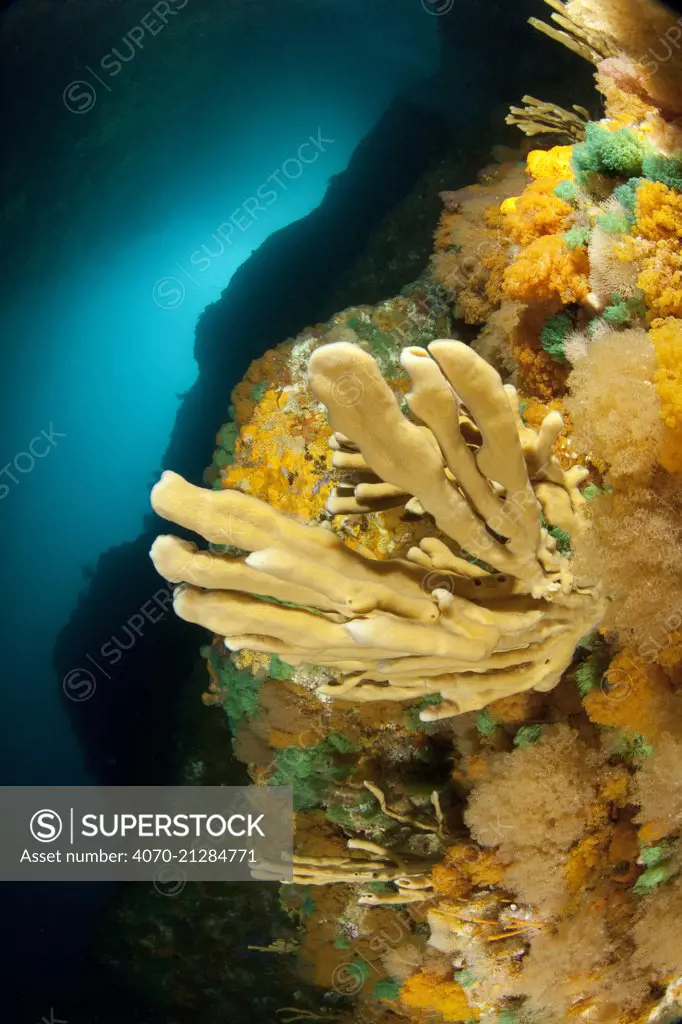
(100,351)
(98,346)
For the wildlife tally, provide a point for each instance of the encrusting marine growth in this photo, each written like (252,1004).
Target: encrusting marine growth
(483,607)
(444,583)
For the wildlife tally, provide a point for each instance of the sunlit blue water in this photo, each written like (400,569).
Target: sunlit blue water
(102,348)
(98,347)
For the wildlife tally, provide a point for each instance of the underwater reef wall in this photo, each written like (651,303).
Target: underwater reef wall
(421,142)
(131,730)
(442,587)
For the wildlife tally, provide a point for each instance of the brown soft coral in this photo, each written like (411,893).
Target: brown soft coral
(631,542)
(614,406)
(581,969)
(658,786)
(657,932)
(472,280)
(472,246)
(494,342)
(533,805)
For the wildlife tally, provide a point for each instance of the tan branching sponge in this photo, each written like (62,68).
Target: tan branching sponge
(485,606)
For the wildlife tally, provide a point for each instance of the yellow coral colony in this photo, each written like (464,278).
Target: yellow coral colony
(483,607)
